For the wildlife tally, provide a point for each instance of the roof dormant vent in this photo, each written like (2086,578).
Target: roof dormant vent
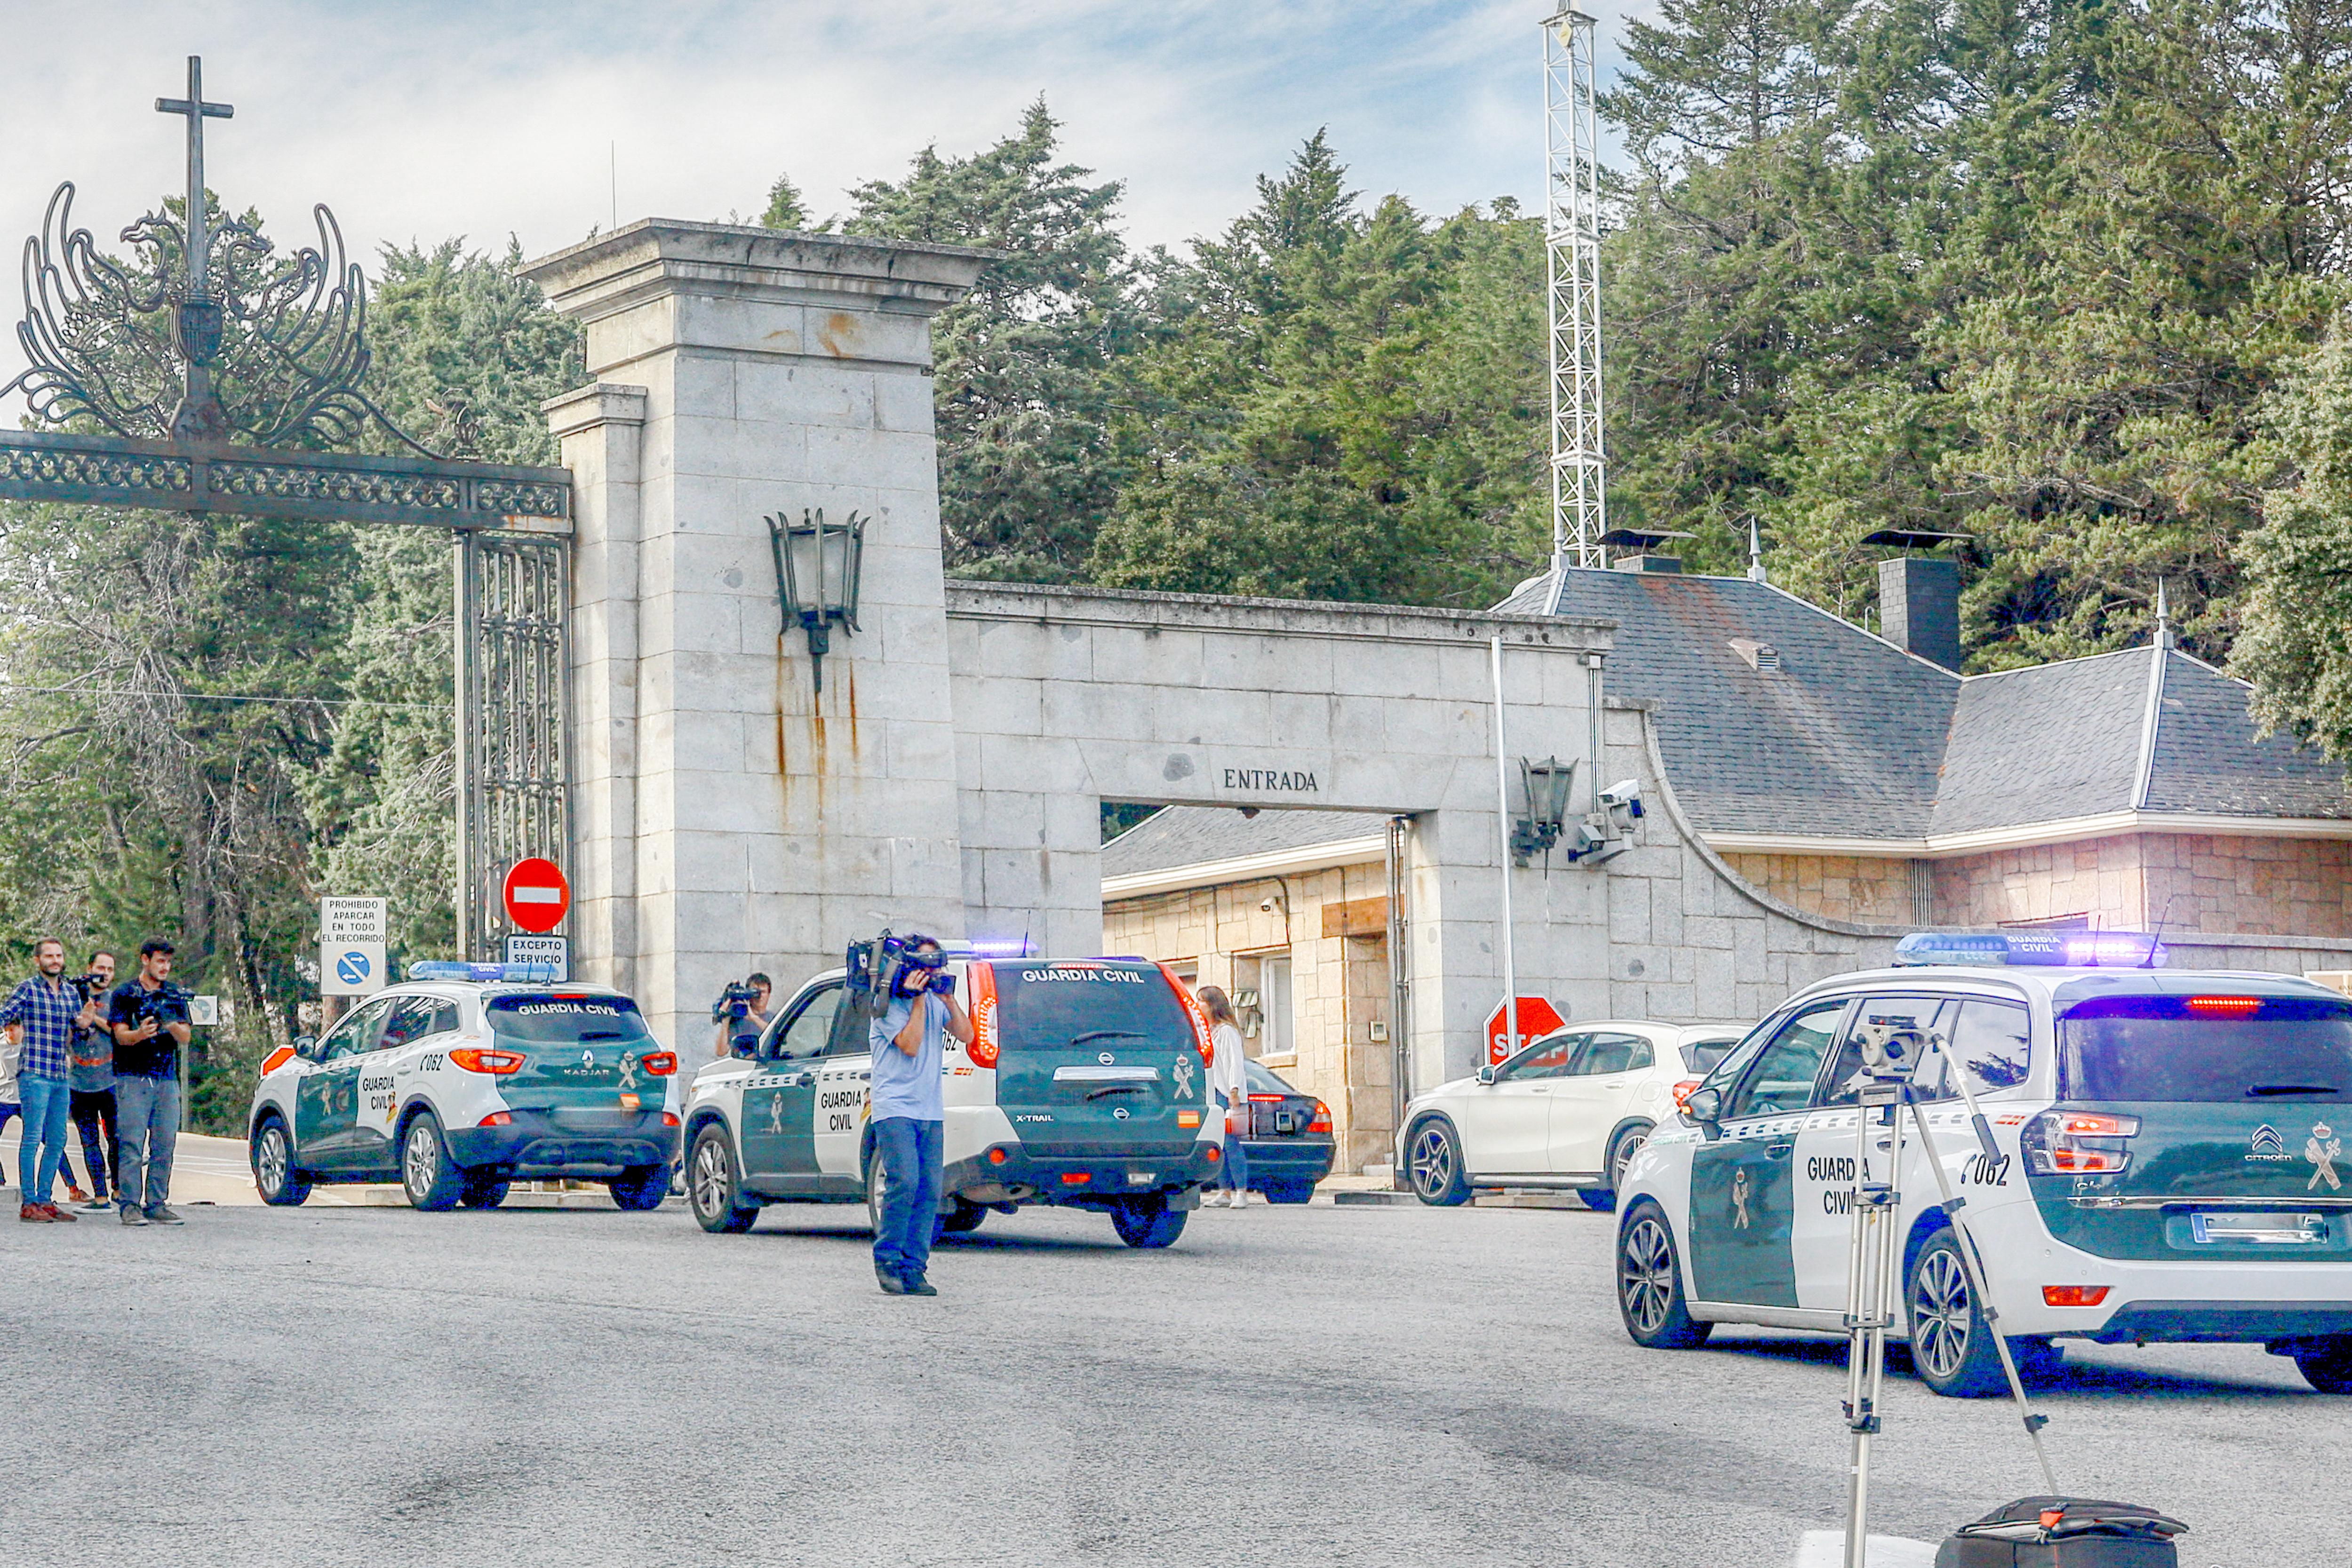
(1760,656)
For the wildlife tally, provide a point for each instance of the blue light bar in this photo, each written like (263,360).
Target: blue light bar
(1018,948)
(488,973)
(2060,949)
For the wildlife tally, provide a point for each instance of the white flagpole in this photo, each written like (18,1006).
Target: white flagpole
(1502,833)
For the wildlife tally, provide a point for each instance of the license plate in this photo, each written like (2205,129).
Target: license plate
(2260,1229)
(1285,1121)
(1141,1179)
(628,1101)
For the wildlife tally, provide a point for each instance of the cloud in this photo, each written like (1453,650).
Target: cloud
(486,118)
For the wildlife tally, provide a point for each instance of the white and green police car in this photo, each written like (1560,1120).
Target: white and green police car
(464,1080)
(2170,1161)
(1085,1086)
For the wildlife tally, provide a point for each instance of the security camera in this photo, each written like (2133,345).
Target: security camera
(1626,792)
(1266,905)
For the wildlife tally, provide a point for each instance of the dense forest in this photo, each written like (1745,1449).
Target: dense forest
(2065,278)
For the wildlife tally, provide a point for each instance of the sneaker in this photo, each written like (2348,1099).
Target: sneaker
(132,1217)
(915,1285)
(58,1216)
(98,1206)
(159,1215)
(32,1214)
(891,1284)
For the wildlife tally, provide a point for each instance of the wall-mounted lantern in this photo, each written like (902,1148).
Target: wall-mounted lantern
(817,565)
(1546,786)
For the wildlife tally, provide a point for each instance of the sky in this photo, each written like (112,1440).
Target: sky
(421,120)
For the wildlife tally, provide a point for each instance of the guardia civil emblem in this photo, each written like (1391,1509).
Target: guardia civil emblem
(1183,1075)
(1743,1187)
(2323,1149)
(775,1112)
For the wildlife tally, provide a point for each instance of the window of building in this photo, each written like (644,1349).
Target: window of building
(1262,996)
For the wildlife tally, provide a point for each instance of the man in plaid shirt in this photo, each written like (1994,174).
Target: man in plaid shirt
(41,1016)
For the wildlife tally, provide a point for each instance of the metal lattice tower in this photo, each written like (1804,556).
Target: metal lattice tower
(1573,244)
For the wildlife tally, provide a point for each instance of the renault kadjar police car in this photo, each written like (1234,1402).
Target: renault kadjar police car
(1086,1085)
(2167,1163)
(464,1080)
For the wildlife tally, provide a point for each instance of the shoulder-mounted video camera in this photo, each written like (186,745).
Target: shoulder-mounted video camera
(887,968)
(166,1004)
(734,1002)
(90,987)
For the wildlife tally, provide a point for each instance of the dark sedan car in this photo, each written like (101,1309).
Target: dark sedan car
(1288,1141)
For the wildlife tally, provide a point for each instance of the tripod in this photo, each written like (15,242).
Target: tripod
(1892,1050)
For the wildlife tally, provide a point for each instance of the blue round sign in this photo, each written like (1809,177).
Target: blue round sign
(351,968)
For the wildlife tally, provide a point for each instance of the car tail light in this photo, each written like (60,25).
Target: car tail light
(1197,1015)
(1214,1153)
(1683,1090)
(1237,1124)
(497,1119)
(1268,1099)
(2072,1295)
(485,1059)
(660,1063)
(2077,1143)
(987,1032)
(1322,1122)
(277,1058)
(1076,1178)
(669,1118)
(996,1157)
(2224,1007)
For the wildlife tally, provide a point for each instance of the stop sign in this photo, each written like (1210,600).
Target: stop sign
(1537,1018)
(536,896)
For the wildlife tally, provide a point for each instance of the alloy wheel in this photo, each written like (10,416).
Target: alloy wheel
(422,1156)
(1432,1161)
(710,1182)
(1939,1314)
(1645,1273)
(269,1160)
(1627,1147)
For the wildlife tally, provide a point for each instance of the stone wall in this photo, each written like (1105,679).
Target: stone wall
(1339,983)
(2267,887)
(1872,889)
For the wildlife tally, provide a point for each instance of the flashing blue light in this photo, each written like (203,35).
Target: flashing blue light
(2061,949)
(1019,948)
(488,974)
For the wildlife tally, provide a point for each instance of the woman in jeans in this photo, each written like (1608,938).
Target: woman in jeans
(1229,1087)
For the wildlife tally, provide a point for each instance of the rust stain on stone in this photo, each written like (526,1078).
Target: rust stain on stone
(849,679)
(836,335)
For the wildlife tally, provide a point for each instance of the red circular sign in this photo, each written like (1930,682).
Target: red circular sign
(1537,1018)
(536,896)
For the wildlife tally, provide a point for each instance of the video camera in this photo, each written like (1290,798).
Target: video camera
(90,987)
(734,1002)
(889,968)
(166,1004)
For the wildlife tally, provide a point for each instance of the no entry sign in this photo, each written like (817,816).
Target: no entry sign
(536,896)
(1537,1018)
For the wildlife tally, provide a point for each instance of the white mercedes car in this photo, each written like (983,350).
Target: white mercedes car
(1568,1111)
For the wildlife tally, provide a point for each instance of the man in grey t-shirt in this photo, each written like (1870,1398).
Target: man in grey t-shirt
(907,1114)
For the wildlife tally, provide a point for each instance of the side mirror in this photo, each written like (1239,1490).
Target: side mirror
(1487,1073)
(747,1047)
(1705,1106)
(306,1046)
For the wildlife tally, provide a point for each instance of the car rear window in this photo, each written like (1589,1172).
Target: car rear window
(565,1021)
(1055,1006)
(2217,1049)
(1263,1080)
(1701,1055)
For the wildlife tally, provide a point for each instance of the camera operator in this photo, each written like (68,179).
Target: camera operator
(909,1112)
(93,1078)
(738,1034)
(41,1016)
(148,1016)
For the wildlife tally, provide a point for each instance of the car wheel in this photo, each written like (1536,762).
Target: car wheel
(1650,1283)
(433,1181)
(2327,1365)
(1621,1150)
(711,1189)
(641,1188)
(485,1189)
(275,1175)
(1950,1345)
(1434,1163)
(964,1218)
(1288,1191)
(1147,1222)
(875,1178)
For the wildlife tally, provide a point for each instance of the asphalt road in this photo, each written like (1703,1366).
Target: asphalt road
(1284,1386)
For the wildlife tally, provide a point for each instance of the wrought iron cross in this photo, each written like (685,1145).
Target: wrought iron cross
(199,417)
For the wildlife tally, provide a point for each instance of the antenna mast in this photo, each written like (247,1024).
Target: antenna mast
(1572,244)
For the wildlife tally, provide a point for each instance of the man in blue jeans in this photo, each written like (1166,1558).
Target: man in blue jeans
(147,1046)
(907,1114)
(41,1016)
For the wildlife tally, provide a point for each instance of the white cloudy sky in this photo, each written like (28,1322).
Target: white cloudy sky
(431,118)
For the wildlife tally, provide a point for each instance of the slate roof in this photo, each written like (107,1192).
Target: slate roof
(1851,737)
(1190,835)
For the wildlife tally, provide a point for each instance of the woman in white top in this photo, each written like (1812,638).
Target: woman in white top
(1229,1089)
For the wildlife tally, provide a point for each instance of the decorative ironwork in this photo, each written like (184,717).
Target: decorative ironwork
(514,589)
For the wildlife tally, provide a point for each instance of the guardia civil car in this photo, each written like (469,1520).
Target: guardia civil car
(2168,1162)
(463,1080)
(1085,1086)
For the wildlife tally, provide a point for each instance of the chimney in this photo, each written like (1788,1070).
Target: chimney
(1920,607)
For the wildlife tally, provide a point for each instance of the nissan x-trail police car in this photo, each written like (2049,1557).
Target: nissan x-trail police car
(2168,1161)
(1085,1085)
(464,1080)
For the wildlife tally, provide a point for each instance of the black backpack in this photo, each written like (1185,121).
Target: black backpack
(2065,1533)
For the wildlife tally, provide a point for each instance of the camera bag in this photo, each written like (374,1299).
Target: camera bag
(2065,1533)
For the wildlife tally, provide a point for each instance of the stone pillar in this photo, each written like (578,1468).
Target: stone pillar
(779,372)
